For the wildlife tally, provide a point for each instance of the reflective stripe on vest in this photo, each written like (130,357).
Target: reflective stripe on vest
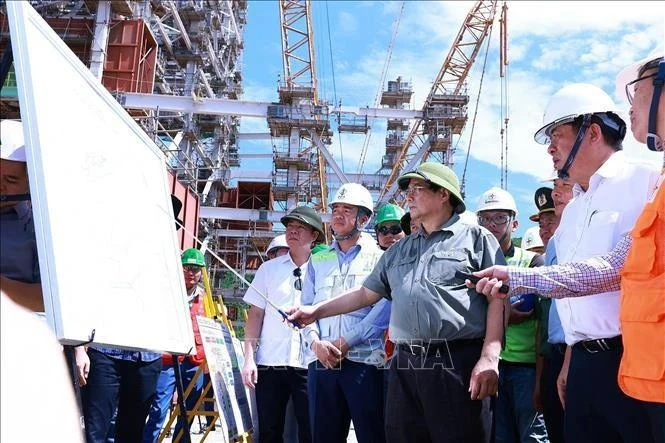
(642,369)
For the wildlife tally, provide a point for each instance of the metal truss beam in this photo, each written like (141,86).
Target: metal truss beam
(297,44)
(328,156)
(239,214)
(221,106)
(411,165)
(451,77)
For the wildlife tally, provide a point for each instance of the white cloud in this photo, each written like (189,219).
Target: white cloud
(551,44)
(569,47)
(348,23)
(556,19)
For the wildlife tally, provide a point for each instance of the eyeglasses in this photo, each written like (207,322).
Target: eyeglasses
(191,268)
(414,190)
(385,230)
(630,91)
(297,285)
(497,219)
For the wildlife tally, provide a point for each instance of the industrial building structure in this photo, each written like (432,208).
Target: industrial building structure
(176,65)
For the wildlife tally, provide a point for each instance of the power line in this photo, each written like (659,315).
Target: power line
(332,69)
(475,112)
(377,96)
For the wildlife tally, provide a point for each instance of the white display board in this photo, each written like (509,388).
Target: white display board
(108,251)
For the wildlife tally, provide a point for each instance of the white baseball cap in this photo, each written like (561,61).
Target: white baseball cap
(12,146)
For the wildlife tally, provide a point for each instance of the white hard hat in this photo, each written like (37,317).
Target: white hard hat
(354,194)
(573,101)
(630,72)
(532,239)
(497,199)
(277,242)
(469,217)
(11,141)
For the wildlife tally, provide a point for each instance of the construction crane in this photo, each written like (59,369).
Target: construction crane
(444,111)
(299,172)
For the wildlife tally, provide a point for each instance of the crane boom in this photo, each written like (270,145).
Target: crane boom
(444,110)
(299,88)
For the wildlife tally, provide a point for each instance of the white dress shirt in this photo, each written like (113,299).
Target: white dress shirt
(279,345)
(592,224)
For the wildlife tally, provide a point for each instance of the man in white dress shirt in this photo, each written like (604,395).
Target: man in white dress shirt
(278,371)
(584,136)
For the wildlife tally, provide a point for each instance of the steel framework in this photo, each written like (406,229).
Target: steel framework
(444,110)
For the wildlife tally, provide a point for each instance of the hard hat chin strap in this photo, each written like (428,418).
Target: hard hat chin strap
(654,142)
(14,197)
(509,229)
(351,233)
(563,172)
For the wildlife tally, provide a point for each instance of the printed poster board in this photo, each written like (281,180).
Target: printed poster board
(225,359)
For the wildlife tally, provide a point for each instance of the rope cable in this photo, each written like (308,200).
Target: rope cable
(507,118)
(475,112)
(332,69)
(379,90)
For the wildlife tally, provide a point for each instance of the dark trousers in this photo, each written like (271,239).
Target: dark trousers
(354,391)
(429,399)
(276,384)
(656,412)
(596,409)
(552,409)
(127,385)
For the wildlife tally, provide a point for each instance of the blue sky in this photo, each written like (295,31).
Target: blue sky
(551,44)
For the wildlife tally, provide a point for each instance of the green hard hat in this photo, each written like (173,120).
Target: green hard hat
(440,175)
(307,216)
(320,247)
(194,257)
(388,212)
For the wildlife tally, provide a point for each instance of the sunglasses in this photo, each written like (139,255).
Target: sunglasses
(191,268)
(297,273)
(385,230)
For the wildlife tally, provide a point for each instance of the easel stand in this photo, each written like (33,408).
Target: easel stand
(198,410)
(182,416)
(217,312)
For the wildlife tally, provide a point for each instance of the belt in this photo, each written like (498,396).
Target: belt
(440,347)
(599,345)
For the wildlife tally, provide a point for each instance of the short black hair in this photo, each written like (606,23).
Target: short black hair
(610,136)
(648,66)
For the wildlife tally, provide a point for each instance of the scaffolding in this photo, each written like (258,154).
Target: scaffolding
(396,96)
(175,47)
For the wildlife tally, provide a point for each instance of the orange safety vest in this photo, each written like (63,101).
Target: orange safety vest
(642,370)
(197,308)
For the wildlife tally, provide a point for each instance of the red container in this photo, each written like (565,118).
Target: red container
(189,213)
(77,33)
(131,57)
